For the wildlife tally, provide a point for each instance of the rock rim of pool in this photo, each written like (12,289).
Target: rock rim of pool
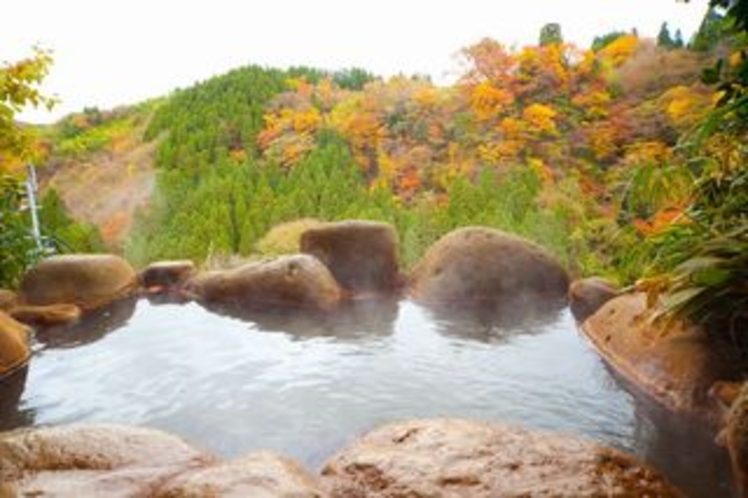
(479,264)
(88,281)
(674,362)
(430,457)
(14,344)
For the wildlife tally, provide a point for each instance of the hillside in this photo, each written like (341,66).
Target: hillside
(102,168)
(626,159)
(581,150)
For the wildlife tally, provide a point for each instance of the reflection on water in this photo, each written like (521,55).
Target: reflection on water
(306,385)
(680,446)
(352,319)
(491,323)
(12,413)
(92,327)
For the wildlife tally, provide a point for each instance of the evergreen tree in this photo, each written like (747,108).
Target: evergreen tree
(664,39)
(550,34)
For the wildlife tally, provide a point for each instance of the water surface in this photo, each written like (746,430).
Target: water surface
(306,386)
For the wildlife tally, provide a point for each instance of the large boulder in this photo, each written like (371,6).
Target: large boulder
(298,281)
(14,344)
(675,362)
(477,264)
(362,255)
(262,474)
(587,295)
(87,280)
(92,460)
(451,458)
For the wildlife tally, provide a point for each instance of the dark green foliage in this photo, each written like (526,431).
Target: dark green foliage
(17,247)
(550,34)
(228,208)
(668,41)
(203,123)
(710,33)
(352,79)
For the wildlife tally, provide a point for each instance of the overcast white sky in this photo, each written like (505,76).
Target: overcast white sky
(109,53)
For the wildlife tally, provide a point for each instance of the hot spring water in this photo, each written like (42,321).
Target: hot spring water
(306,386)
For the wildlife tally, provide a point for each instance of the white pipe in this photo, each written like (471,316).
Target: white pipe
(31,187)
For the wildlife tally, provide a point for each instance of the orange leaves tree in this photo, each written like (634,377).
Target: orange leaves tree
(526,103)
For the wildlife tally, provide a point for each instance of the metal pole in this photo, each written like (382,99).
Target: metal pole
(31,188)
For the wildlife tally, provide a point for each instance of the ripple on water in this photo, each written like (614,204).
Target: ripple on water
(307,385)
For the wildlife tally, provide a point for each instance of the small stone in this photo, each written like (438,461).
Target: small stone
(53,314)
(166,275)
(587,295)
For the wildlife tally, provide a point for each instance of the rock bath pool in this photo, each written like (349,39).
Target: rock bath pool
(307,386)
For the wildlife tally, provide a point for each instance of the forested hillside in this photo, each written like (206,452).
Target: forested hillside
(615,157)
(545,141)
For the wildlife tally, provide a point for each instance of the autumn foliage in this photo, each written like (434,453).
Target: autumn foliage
(576,148)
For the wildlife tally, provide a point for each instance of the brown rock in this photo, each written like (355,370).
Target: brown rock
(587,295)
(258,475)
(92,460)
(362,255)
(298,281)
(8,299)
(87,280)
(675,362)
(53,314)
(14,344)
(460,458)
(167,274)
(486,265)
(735,437)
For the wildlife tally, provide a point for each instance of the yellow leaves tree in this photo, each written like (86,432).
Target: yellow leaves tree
(487,101)
(685,106)
(620,50)
(540,119)
(19,88)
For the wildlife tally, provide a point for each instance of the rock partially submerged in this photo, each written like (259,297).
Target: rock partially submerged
(298,281)
(92,460)
(362,255)
(14,344)
(86,280)
(587,295)
(167,275)
(478,264)
(460,458)
(52,314)
(674,362)
(263,474)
